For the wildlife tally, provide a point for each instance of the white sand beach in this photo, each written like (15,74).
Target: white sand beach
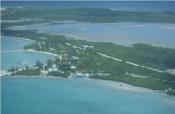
(122,86)
(31,50)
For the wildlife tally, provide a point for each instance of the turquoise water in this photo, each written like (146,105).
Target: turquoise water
(37,95)
(12,56)
(157,34)
(13,43)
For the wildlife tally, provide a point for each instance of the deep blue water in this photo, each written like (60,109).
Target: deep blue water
(114,5)
(11,55)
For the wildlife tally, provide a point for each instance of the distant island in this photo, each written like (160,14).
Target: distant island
(141,65)
(94,15)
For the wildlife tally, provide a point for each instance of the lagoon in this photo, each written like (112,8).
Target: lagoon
(123,33)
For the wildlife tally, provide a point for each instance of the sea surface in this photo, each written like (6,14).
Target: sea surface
(51,95)
(113,5)
(123,33)
(38,95)
(12,54)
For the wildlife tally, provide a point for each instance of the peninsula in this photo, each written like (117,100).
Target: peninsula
(141,65)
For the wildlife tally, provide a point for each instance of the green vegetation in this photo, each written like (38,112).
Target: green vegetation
(142,54)
(90,62)
(49,63)
(28,72)
(60,74)
(39,64)
(83,56)
(171,92)
(87,15)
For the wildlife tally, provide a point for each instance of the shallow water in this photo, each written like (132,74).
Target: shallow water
(120,33)
(37,95)
(12,56)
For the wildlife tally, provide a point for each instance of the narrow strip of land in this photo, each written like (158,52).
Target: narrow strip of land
(119,60)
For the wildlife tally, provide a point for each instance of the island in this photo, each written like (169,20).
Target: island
(141,65)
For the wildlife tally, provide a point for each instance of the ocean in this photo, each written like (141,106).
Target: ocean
(41,95)
(38,95)
(51,95)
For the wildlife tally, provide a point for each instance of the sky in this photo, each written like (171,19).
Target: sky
(88,0)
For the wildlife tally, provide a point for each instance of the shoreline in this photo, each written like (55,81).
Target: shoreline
(35,51)
(107,83)
(115,85)
(122,86)
(21,38)
(29,50)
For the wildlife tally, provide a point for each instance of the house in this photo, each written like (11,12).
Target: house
(73,67)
